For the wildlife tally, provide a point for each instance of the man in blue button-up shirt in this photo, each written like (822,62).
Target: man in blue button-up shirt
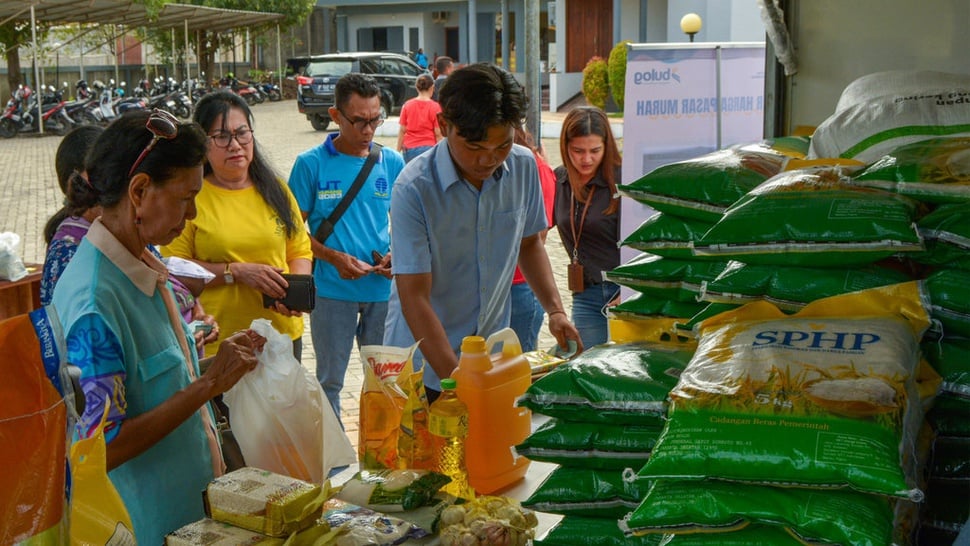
(462,216)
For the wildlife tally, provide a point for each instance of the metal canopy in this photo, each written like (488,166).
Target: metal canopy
(131,14)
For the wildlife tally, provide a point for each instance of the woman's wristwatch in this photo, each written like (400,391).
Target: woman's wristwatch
(227,275)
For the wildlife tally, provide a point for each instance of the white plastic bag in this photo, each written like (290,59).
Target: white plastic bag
(11,266)
(281,417)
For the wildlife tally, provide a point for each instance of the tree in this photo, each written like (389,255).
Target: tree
(14,35)
(617,72)
(596,86)
(294,12)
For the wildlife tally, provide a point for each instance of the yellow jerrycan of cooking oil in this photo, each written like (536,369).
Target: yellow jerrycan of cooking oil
(489,385)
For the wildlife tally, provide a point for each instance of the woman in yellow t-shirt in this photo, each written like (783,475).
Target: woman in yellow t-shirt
(248,230)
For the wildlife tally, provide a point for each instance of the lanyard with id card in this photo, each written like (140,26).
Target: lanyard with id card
(574,271)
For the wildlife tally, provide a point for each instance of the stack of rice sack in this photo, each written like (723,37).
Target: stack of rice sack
(690,196)
(802,427)
(815,232)
(936,172)
(606,409)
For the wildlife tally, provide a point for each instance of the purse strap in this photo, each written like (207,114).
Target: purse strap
(328,223)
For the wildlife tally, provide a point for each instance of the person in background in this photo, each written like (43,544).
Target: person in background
(587,215)
(421,58)
(65,229)
(124,332)
(353,266)
(419,129)
(527,313)
(463,214)
(248,230)
(443,67)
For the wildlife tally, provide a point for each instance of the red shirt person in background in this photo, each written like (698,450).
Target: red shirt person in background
(527,314)
(419,121)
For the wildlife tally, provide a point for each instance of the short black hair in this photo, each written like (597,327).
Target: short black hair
(480,96)
(442,63)
(363,85)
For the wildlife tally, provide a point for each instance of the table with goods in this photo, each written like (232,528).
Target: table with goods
(415,482)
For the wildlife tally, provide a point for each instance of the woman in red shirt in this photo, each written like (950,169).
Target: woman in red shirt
(419,121)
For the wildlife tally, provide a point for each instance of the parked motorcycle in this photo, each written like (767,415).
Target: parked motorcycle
(25,111)
(270,90)
(168,95)
(245,90)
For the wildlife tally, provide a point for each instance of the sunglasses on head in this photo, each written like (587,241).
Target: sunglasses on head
(162,125)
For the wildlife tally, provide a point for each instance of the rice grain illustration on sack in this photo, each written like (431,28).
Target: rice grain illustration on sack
(811,400)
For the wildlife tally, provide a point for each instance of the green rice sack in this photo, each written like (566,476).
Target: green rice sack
(947,504)
(590,445)
(790,288)
(667,235)
(666,278)
(709,310)
(583,531)
(951,458)
(795,147)
(585,492)
(946,234)
(703,187)
(816,516)
(813,218)
(825,398)
(949,294)
(754,535)
(643,305)
(619,384)
(935,170)
(950,357)
(949,415)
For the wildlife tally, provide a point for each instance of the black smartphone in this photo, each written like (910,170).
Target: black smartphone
(377,257)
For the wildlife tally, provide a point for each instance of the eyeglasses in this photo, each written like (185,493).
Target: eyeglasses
(361,124)
(163,126)
(223,138)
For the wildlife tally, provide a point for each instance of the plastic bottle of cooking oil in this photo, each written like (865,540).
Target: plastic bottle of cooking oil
(448,424)
(489,383)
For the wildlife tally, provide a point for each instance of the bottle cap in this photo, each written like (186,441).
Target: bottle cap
(473,344)
(448,383)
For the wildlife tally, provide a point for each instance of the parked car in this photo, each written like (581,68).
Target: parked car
(394,73)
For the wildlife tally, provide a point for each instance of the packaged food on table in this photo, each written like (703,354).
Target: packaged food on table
(392,490)
(215,533)
(360,526)
(265,502)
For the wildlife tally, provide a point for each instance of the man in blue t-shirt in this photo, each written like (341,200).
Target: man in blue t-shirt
(352,268)
(464,214)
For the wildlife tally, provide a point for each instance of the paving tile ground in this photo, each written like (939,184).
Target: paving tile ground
(29,195)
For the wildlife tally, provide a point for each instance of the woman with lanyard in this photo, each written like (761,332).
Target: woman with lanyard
(587,215)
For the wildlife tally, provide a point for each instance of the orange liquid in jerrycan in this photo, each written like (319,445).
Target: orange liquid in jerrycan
(489,384)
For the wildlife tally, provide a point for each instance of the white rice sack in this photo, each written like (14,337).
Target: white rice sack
(898,82)
(867,131)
